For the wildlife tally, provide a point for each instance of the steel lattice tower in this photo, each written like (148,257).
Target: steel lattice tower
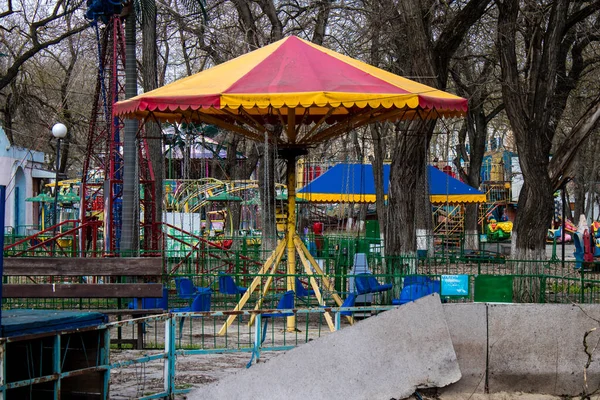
(102,175)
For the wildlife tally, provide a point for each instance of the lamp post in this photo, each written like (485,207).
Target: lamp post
(59,131)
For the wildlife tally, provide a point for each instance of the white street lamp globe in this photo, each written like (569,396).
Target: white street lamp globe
(59,131)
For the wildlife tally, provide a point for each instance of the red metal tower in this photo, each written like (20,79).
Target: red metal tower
(102,175)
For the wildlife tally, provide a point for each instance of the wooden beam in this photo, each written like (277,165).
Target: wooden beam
(313,282)
(352,122)
(275,256)
(266,288)
(317,125)
(229,126)
(83,290)
(328,285)
(75,266)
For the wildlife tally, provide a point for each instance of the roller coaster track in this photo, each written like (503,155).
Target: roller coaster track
(192,195)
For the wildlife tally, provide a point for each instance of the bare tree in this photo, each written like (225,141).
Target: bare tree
(427,58)
(536,89)
(474,78)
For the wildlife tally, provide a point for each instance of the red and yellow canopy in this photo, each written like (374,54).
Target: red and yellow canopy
(292,74)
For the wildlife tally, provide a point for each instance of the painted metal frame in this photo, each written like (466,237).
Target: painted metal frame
(169,355)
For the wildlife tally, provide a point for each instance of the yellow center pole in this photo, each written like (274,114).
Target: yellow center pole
(290,232)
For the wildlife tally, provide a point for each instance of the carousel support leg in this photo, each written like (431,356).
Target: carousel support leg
(326,282)
(313,282)
(328,285)
(267,265)
(268,284)
(290,233)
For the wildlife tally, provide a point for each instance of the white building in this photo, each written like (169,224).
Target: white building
(21,171)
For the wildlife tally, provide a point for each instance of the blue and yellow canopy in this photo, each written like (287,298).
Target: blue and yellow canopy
(354,183)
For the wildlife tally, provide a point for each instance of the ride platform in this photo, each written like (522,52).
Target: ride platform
(51,354)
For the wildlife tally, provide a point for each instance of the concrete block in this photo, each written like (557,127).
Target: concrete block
(467,323)
(382,357)
(538,348)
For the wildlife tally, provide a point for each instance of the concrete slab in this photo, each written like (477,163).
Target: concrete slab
(382,357)
(467,323)
(538,348)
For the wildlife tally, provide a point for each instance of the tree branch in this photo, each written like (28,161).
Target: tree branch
(580,15)
(564,156)
(497,110)
(9,11)
(12,72)
(451,38)
(268,8)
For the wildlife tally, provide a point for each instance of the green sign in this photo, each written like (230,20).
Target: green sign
(494,288)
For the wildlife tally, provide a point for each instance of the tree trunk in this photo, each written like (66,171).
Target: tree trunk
(535,100)
(152,130)
(580,185)
(130,216)
(377,163)
(535,212)
(477,136)
(536,207)
(409,209)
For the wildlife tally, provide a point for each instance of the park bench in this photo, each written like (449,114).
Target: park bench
(149,269)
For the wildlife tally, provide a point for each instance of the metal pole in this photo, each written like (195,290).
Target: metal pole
(55,207)
(2,205)
(290,232)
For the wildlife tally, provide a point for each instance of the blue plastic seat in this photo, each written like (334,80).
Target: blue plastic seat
(367,283)
(377,287)
(228,286)
(301,291)
(411,293)
(348,302)
(361,283)
(201,303)
(152,302)
(435,286)
(415,279)
(185,288)
(286,302)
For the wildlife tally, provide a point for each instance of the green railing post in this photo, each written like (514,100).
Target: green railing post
(105,361)
(542,298)
(581,291)
(257,336)
(170,359)
(56,365)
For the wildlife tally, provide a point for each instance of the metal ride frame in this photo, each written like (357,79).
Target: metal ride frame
(169,353)
(284,112)
(102,175)
(292,244)
(297,142)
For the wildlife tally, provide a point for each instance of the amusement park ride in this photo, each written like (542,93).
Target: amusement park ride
(101,189)
(314,95)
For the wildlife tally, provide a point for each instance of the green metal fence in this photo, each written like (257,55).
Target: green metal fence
(548,281)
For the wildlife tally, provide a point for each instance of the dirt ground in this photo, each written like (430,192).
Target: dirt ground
(192,372)
(493,396)
(195,371)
